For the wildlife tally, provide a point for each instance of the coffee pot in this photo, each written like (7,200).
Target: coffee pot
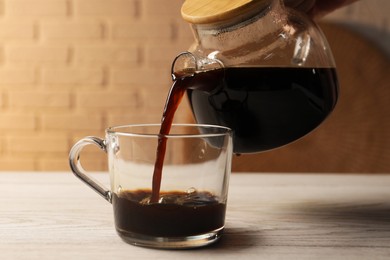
(264,70)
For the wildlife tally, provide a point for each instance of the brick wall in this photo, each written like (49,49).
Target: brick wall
(70,68)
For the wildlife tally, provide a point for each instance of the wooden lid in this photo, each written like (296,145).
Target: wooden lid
(217,11)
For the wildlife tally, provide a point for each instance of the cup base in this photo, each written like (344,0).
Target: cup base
(171,242)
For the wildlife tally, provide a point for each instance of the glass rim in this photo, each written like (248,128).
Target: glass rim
(116,130)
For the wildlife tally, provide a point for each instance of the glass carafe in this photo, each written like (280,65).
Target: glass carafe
(259,68)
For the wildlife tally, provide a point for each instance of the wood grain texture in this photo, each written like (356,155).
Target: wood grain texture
(270,216)
(208,12)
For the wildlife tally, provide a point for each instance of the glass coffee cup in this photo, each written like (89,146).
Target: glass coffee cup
(192,196)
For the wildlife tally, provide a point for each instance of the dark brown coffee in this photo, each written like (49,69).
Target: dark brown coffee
(173,100)
(176,214)
(265,107)
(182,82)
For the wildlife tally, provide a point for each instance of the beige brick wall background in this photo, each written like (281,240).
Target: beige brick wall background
(70,68)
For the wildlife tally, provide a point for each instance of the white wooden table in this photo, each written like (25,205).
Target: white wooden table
(270,216)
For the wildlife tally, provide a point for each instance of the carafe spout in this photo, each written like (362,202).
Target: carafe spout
(186,64)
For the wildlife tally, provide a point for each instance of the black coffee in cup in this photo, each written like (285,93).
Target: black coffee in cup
(176,214)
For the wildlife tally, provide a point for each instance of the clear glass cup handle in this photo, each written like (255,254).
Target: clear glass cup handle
(78,170)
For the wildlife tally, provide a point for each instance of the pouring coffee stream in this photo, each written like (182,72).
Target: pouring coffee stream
(182,81)
(174,97)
